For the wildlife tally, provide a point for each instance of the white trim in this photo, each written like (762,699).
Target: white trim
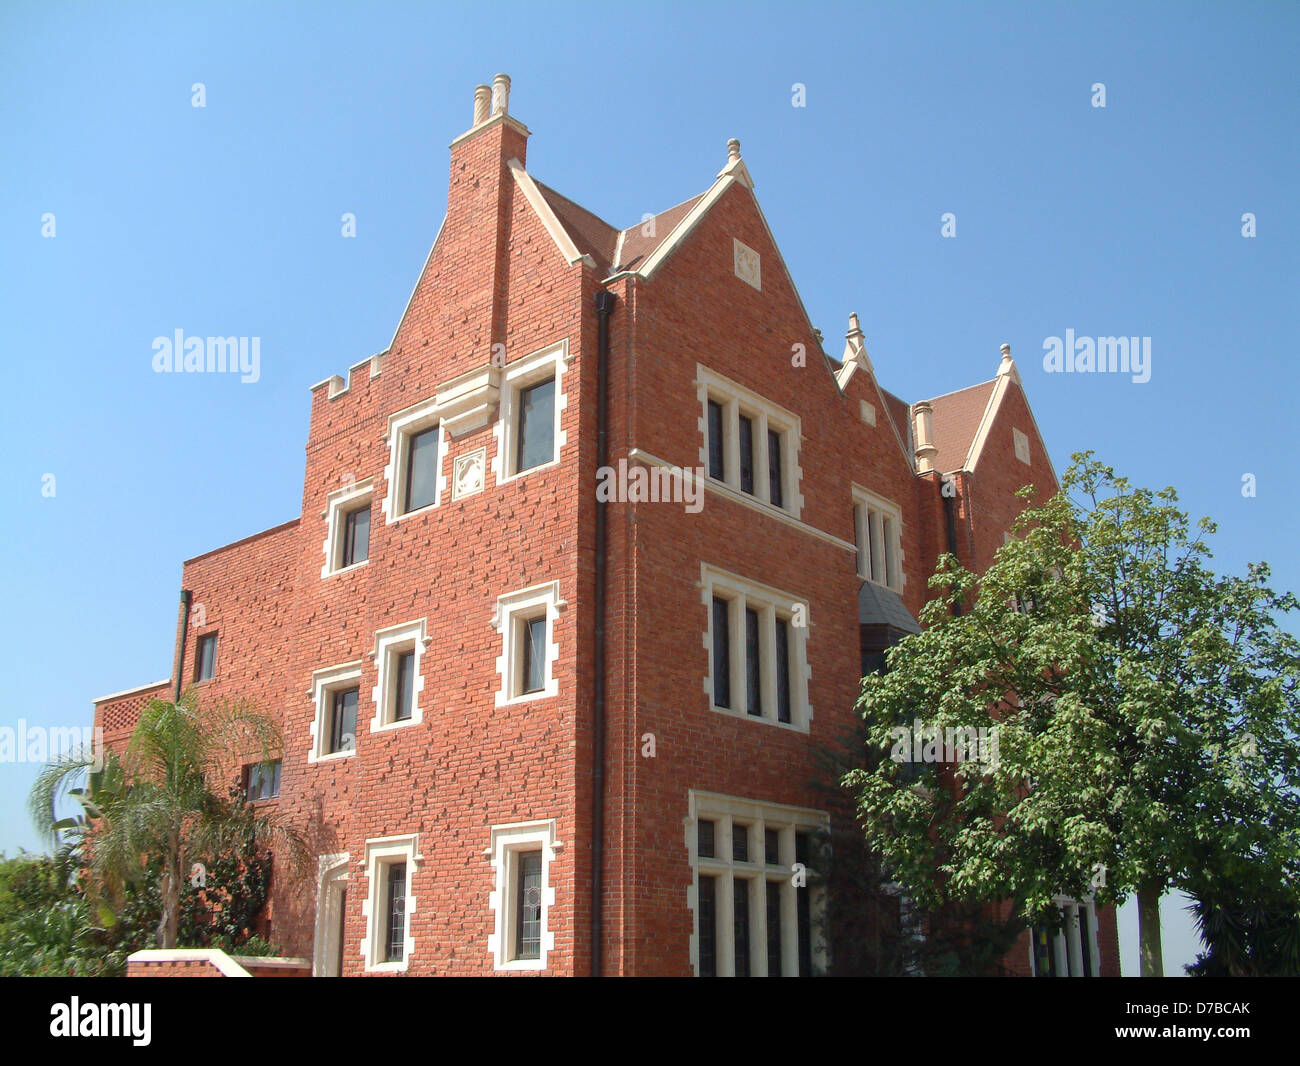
(401,427)
(507,843)
(770,604)
(324,683)
(213,956)
(325,940)
(339,504)
(547,216)
(382,852)
(389,641)
(869,501)
(512,610)
(132,691)
(755,814)
(529,370)
(683,228)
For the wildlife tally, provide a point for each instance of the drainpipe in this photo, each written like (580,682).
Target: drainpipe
(605,301)
(950,522)
(186,596)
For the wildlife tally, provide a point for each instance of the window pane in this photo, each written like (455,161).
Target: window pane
(753,686)
(859,534)
(528,907)
(773,929)
(356,536)
(422,469)
(782,670)
(275,779)
(536,426)
(771,847)
(205,657)
(715,441)
(395,940)
(746,455)
(404,693)
(1085,941)
(740,924)
(534,655)
(704,839)
(775,486)
(343,728)
(740,843)
(706,897)
(721,653)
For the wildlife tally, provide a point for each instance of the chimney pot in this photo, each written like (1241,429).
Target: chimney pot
(501,94)
(482,103)
(923,435)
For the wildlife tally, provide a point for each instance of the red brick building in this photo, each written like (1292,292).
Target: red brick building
(589,563)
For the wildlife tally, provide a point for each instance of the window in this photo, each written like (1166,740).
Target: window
(529,430)
(1066,947)
(336,691)
(416,451)
(536,426)
(877,528)
(399,651)
(757,650)
(526,622)
(756,912)
(391,865)
(205,657)
(750,444)
(347,538)
(522,854)
(262,781)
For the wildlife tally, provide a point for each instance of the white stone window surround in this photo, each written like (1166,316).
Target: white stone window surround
(871,510)
(548,362)
(331,874)
(513,610)
(1067,942)
(324,683)
(770,604)
(382,852)
(341,503)
(766,415)
(401,428)
(389,642)
(508,842)
(757,816)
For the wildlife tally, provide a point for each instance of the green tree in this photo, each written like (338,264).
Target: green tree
(160,808)
(1141,712)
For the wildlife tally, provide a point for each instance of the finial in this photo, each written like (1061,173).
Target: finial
(733,150)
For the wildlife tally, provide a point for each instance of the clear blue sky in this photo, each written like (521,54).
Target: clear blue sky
(226,220)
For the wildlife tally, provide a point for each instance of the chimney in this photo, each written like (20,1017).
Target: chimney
(923,432)
(501,94)
(482,104)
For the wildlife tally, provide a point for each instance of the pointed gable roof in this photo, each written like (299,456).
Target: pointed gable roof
(957,418)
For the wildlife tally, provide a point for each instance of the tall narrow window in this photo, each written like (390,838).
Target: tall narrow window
(395,927)
(746,454)
(205,657)
(739,843)
(740,924)
(404,690)
(782,670)
(707,893)
(533,659)
(773,928)
(356,536)
(343,721)
(775,486)
(753,668)
(536,438)
(528,906)
(422,469)
(704,838)
(716,468)
(721,653)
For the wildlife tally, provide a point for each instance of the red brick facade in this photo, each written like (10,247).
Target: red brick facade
(515,270)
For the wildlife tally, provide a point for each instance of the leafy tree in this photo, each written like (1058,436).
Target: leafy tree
(151,815)
(1142,710)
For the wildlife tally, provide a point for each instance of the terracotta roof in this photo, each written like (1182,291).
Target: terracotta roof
(957,416)
(638,247)
(593,236)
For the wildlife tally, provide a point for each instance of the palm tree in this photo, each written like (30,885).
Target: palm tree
(161,802)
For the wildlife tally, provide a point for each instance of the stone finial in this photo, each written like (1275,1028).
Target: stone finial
(855,327)
(482,103)
(733,150)
(501,94)
(1006,366)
